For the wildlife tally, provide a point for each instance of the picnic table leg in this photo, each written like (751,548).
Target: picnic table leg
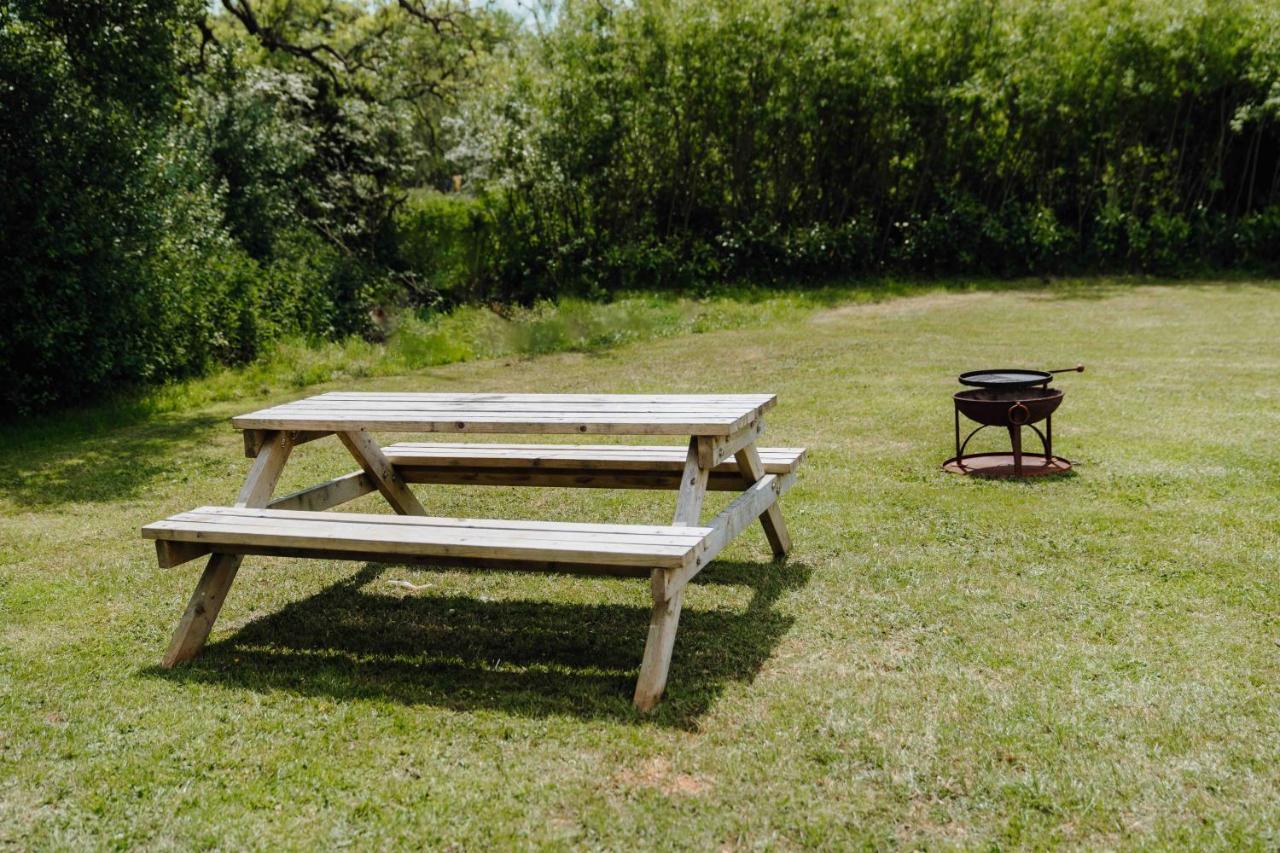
(664,618)
(206,602)
(382,472)
(693,485)
(775,529)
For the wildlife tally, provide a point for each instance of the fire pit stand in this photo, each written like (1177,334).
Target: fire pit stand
(1011,399)
(1015,464)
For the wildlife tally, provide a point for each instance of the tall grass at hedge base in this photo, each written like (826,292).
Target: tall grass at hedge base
(680,142)
(475,332)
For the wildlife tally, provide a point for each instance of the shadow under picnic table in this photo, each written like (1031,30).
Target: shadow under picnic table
(523,656)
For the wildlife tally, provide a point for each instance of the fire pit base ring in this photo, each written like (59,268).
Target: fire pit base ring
(1001,465)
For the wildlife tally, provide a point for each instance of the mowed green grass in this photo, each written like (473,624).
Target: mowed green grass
(1090,660)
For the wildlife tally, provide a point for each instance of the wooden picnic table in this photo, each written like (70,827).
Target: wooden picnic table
(721,453)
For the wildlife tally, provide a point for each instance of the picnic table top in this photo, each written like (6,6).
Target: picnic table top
(598,414)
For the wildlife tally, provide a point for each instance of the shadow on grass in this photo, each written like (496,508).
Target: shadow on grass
(79,460)
(531,658)
(1011,482)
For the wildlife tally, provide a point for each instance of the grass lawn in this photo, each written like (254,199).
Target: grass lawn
(1090,660)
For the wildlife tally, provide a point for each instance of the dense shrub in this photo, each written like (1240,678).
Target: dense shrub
(189,183)
(92,187)
(672,141)
(170,204)
(445,242)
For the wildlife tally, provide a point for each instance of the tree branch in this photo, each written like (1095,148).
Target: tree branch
(271,38)
(438,21)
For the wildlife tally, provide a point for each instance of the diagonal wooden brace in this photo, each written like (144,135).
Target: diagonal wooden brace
(384,475)
(742,511)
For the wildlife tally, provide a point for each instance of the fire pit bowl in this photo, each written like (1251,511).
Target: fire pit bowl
(1008,407)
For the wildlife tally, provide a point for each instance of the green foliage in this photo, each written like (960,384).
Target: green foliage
(445,241)
(89,198)
(170,206)
(187,184)
(683,142)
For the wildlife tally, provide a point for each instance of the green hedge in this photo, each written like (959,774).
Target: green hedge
(169,206)
(672,141)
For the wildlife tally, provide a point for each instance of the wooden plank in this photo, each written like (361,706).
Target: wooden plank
(328,494)
(265,471)
(414,424)
(693,485)
(720,448)
(585,414)
(537,407)
(211,590)
(215,521)
(543,415)
(202,610)
(664,618)
(383,473)
(577,457)
(451,422)
(236,538)
(253,439)
(564,422)
(595,478)
(775,528)
(450,562)
(170,554)
(442,521)
(449,397)
(230,536)
(744,509)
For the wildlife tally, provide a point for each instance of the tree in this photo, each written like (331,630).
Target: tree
(89,87)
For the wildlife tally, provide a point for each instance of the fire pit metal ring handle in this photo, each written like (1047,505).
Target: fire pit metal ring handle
(1019,414)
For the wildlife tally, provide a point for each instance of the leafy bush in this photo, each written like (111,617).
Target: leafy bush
(170,206)
(444,241)
(681,142)
(190,184)
(88,196)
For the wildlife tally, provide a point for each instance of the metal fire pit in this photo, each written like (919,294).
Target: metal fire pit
(1012,399)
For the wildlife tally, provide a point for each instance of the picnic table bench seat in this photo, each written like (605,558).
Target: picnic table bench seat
(625,549)
(601,466)
(608,466)
(569,547)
